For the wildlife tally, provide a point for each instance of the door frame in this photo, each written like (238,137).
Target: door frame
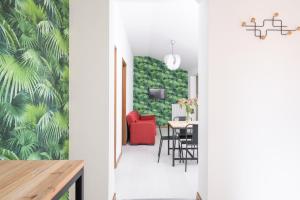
(202,92)
(115,105)
(116,158)
(124,103)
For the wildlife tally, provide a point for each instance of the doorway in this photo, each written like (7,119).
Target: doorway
(144,50)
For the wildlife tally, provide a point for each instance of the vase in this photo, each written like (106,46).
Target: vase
(188,116)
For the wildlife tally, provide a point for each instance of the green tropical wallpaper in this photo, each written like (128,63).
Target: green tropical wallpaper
(34,79)
(152,73)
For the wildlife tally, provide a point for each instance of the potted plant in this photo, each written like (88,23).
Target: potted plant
(189,106)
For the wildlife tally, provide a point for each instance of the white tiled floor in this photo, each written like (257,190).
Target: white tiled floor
(140,176)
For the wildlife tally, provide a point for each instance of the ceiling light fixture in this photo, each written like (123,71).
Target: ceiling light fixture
(172,61)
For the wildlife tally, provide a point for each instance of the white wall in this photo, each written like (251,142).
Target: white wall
(120,40)
(192,86)
(254,104)
(89,94)
(203,101)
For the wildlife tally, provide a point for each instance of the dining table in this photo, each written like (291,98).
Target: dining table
(176,125)
(40,180)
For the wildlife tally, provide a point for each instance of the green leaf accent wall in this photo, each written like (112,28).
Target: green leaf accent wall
(152,73)
(34,79)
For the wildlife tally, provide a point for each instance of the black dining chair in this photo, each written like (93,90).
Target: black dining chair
(162,138)
(189,144)
(180,132)
(167,138)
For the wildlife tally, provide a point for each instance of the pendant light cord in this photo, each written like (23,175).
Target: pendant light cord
(172,46)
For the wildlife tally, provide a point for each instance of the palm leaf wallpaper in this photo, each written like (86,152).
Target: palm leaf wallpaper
(34,79)
(152,73)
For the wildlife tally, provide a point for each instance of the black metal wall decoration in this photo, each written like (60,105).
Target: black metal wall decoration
(277,26)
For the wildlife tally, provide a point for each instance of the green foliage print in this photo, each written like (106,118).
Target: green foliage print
(34,79)
(152,73)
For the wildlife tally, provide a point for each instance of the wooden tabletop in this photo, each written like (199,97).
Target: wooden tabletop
(38,180)
(181,124)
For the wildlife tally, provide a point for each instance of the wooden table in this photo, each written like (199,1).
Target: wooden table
(39,180)
(176,125)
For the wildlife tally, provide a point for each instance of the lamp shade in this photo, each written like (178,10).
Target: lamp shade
(172,61)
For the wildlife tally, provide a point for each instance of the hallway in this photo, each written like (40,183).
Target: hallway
(159,180)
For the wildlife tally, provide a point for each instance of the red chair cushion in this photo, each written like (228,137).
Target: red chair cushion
(142,132)
(133,117)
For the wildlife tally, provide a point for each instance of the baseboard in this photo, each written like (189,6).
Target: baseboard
(114,197)
(198,197)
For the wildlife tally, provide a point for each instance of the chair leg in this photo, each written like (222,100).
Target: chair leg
(174,143)
(186,153)
(193,146)
(179,152)
(159,151)
(197,154)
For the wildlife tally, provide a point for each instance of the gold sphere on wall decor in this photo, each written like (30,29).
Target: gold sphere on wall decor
(298,28)
(253,19)
(276,14)
(244,24)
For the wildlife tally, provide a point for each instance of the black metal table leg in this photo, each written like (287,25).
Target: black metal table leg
(173,152)
(79,188)
(168,139)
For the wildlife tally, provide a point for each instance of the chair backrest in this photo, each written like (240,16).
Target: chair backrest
(133,116)
(195,134)
(180,118)
(193,130)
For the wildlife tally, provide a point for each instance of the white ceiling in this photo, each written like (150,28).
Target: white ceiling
(151,24)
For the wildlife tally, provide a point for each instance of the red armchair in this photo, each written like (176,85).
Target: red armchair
(142,129)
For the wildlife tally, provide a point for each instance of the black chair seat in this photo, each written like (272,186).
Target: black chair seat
(188,142)
(184,136)
(177,137)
